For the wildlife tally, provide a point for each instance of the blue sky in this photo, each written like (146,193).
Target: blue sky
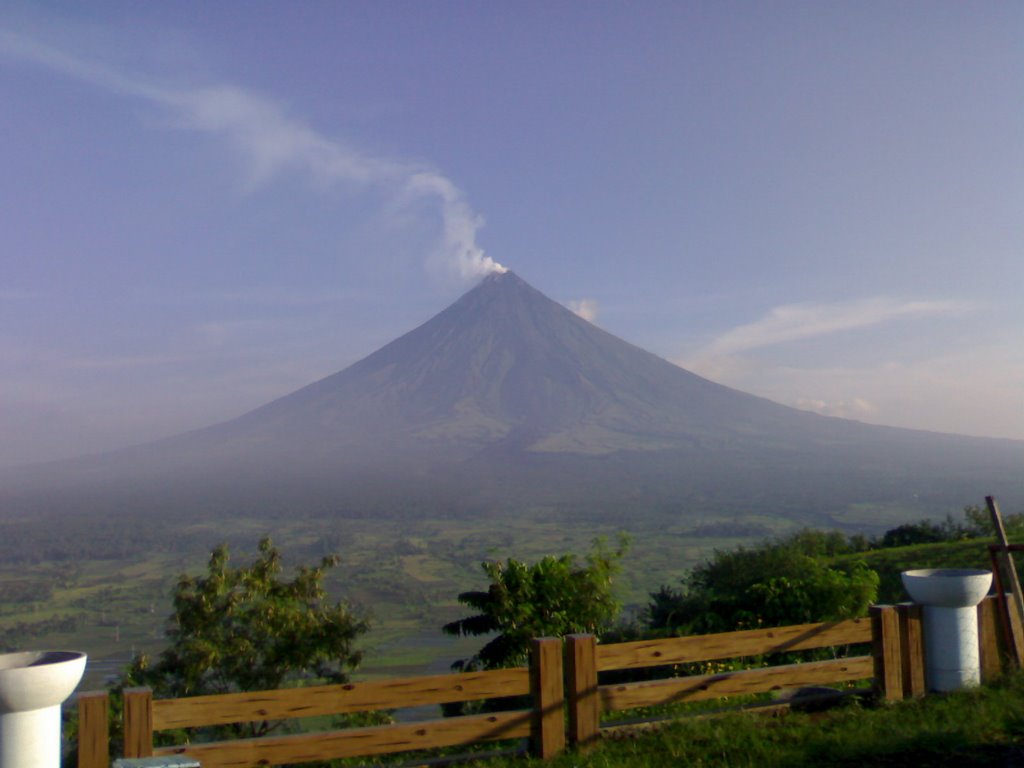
(207,205)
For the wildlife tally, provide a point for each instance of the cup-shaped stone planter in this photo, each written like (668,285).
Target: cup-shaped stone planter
(950,597)
(33,685)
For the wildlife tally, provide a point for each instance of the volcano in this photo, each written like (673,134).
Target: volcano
(507,400)
(505,369)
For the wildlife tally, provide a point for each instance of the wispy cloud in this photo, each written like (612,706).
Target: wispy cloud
(852,408)
(972,390)
(793,322)
(951,386)
(274,142)
(585,308)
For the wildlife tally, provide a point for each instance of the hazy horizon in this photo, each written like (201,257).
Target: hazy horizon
(208,207)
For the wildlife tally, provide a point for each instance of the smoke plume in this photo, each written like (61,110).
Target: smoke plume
(273,143)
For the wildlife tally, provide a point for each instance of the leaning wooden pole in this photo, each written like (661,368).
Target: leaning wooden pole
(996,561)
(1015,607)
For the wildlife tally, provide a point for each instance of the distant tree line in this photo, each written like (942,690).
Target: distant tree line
(13,637)
(70,539)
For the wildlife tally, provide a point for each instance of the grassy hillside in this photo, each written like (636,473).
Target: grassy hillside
(984,727)
(889,563)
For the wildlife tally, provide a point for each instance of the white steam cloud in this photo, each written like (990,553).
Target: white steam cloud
(585,308)
(460,224)
(275,143)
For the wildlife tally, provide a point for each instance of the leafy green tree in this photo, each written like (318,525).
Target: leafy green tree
(922,532)
(772,584)
(244,629)
(553,597)
(979,523)
(247,628)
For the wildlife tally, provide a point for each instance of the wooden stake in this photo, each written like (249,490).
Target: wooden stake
(548,688)
(584,702)
(93,729)
(912,649)
(990,653)
(138,722)
(885,647)
(1016,606)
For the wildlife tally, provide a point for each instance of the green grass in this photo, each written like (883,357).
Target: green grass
(889,563)
(978,728)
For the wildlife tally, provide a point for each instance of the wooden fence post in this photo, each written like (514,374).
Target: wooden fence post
(989,634)
(138,722)
(1014,605)
(93,729)
(885,647)
(912,649)
(547,689)
(584,703)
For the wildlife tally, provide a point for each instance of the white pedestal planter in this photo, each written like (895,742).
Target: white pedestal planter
(950,597)
(33,684)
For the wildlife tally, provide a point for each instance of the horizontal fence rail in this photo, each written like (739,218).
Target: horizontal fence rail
(731,645)
(895,663)
(357,742)
(542,722)
(585,658)
(338,699)
(694,688)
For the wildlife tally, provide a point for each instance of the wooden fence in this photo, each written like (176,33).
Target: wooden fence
(895,664)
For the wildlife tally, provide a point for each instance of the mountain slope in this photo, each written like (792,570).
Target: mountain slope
(505,363)
(505,400)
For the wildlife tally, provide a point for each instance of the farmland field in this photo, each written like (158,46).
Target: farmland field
(85,591)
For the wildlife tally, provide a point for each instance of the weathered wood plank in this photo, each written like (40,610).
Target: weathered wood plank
(138,722)
(912,649)
(703,687)
(989,635)
(93,729)
(885,649)
(356,742)
(728,645)
(547,686)
(584,703)
(338,699)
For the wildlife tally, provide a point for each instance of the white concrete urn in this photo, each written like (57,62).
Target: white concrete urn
(950,597)
(33,685)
